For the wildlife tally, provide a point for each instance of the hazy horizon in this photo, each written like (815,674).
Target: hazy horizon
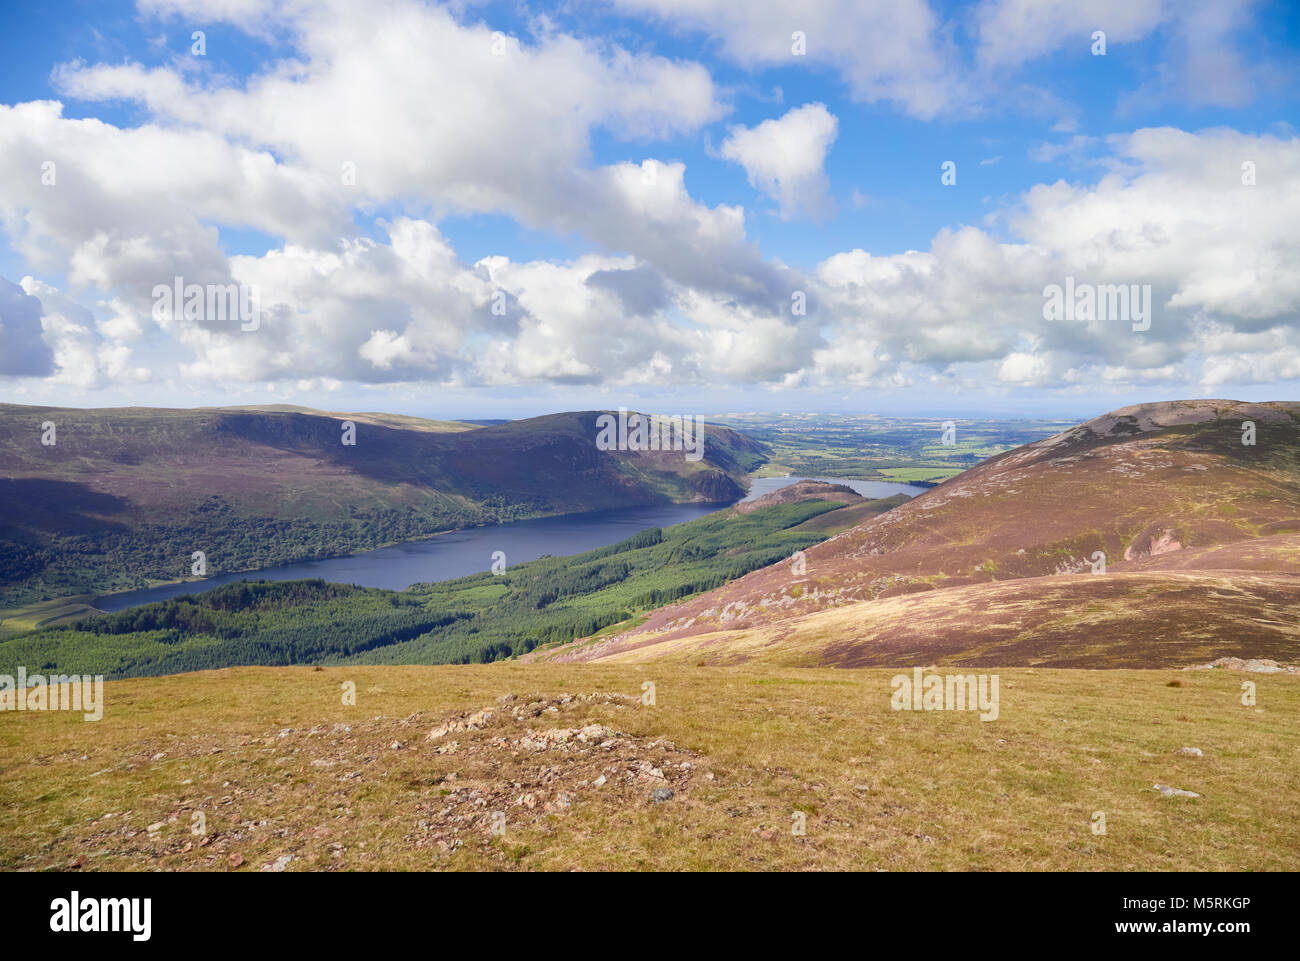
(520,410)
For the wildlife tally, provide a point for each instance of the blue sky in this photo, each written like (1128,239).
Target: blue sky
(925,297)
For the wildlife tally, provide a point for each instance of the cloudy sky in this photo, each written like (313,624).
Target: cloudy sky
(483,209)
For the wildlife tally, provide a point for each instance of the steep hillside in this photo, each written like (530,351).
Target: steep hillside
(126,495)
(1156,488)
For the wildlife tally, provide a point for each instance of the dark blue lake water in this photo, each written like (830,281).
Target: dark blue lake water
(460,553)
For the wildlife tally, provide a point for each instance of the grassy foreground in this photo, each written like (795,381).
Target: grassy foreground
(278,766)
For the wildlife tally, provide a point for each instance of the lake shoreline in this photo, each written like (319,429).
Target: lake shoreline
(222,578)
(377,567)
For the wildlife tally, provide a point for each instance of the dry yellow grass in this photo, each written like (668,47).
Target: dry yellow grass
(878,789)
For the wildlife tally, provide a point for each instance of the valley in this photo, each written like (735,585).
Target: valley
(858,436)
(483,617)
(1128,585)
(123,498)
(875,447)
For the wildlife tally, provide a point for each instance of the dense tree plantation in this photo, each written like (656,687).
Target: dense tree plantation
(474,619)
(123,558)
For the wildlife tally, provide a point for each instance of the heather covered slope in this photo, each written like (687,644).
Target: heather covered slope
(1156,488)
(1119,620)
(126,495)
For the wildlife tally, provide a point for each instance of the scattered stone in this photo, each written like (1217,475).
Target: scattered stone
(1168,791)
(1254,665)
(1192,751)
(562,802)
(279,864)
(645,771)
(661,794)
(236,860)
(599,782)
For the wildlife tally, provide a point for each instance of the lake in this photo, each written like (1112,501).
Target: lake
(460,553)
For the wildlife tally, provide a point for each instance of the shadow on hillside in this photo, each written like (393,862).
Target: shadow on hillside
(40,504)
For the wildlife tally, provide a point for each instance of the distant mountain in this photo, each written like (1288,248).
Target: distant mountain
(126,495)
(1200,535)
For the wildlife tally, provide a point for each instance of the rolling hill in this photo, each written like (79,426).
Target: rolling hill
(124,496)
(1199,534)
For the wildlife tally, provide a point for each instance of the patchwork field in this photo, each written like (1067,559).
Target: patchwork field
(430,760)
(908,450)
